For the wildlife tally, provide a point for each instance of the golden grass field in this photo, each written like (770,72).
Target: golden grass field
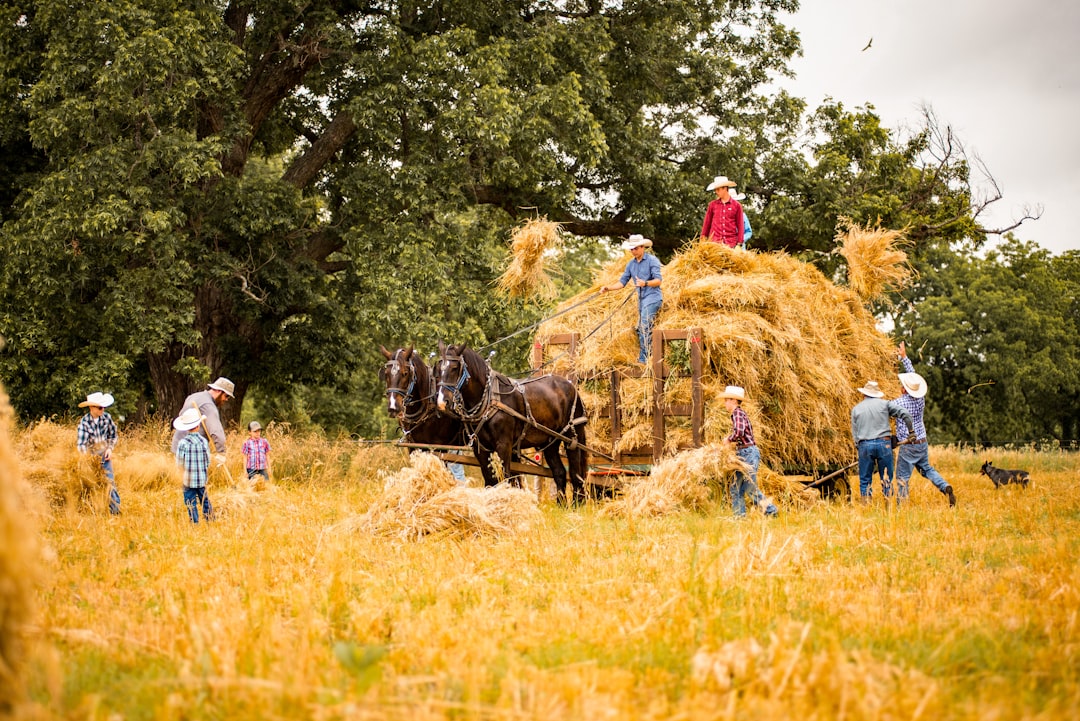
(283,609)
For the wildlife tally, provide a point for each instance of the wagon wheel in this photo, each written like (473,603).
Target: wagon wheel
(841,489)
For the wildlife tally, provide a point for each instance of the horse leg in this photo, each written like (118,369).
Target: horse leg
(579,464)
(558,472)
(483,457)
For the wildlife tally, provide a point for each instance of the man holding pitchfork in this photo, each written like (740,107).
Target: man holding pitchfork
(208,402)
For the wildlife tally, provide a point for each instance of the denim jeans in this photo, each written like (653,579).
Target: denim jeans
(457,471)
(875,453)
(193,497)
(252,472)
(646,313)
(911,456)
(744,484)
(114,494)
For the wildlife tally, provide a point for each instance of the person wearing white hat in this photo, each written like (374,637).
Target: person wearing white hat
(97,434)
(873,438)
(644,270)
(914,450)
(724,217)
(193,456)
(742,435)
(208,402)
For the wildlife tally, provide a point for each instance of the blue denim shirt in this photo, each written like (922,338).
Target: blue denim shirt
(648,268)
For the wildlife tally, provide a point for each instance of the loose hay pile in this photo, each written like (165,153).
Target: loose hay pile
(18,567)
(683,481)
(796,342)
(53,464)
(423,498)
(525,275)
(875,261)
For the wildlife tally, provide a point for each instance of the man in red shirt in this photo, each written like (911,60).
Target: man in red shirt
(724,221)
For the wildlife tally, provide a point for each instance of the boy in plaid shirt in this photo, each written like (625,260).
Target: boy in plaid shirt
(193,455)
(255,450)
(97,434)
(742,435)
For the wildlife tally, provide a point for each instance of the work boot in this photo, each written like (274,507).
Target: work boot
(951,495)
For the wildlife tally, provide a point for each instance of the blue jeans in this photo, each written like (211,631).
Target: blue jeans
(646,313)
(114,494)
(875,453)
(743,484)
(916,455)
(193,497)
(252,472)
(457,471)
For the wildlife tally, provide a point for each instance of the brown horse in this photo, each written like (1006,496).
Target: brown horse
(410,397)
(504,416)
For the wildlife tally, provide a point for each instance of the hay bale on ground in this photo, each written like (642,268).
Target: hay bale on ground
(423,498)
(796,342)
(530,248)
(19,564)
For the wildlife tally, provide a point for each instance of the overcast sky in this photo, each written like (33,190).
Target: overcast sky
(1004,75)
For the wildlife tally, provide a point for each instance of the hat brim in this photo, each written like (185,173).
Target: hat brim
(871,394)
(631,246)
(714,186)
(104,401)
(226,391)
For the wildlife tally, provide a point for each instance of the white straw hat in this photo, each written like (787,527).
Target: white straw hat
(190,418)
(735,392)
(721,181)
(872,390)
(101,400)
(914,384)
(635,240)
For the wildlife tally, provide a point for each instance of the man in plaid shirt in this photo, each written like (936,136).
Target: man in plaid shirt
(193,455)
(916,452)
(97,434)
(742,435)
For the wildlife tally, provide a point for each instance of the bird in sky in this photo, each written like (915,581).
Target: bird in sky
(871,42)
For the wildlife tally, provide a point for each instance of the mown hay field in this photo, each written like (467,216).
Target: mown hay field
(283,608)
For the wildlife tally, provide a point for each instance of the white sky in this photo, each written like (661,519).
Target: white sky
(1004,75)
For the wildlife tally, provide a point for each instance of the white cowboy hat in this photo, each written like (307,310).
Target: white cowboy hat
(101,400)
(738,196)
(721,181)
(635,240)
(190,418)
(914,384)
(735,392)
(871,390)
(224,385)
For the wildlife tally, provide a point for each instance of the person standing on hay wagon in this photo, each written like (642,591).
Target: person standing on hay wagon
(748,232)
(644,269)
(193,456)
(914,450)
(873,438)
(742,435)
(97,434)
(208,402)
(724,218)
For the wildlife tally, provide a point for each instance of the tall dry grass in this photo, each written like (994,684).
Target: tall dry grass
(829,611)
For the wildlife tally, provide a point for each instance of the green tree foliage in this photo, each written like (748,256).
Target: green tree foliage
(269,190)
(997,340)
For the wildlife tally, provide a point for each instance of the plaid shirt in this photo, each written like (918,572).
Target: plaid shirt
(914,406)
(742,434)
(255,450)
(193,455)
(97,435)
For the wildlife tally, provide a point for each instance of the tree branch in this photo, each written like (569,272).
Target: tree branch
(304,169)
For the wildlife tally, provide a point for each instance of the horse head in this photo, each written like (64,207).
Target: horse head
(461,375)
(400,376)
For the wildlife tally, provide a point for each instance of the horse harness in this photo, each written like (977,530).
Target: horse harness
(407,421)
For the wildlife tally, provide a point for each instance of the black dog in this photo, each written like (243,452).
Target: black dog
(1001,477)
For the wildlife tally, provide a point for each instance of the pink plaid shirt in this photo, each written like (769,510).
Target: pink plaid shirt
(255,450)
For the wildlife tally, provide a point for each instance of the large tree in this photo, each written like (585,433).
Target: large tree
(268,189)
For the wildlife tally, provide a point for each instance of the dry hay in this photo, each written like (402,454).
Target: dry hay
(525,275)
(245,493)
(54,465)
(147,470)
(683,481)
(423,498)
(875,262)
(796,342)
(19,564)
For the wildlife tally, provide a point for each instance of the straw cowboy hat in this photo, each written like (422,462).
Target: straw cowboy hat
(101,400)
(190,418)
(721,181)
(871,390)
(914,384)
(738,196)
(224,385)
(735,392)
(635,240)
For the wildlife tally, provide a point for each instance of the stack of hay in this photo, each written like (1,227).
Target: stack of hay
(19,564)
(423,498)
(799,344)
